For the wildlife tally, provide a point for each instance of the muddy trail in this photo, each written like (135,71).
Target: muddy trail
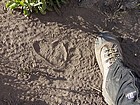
(49,59)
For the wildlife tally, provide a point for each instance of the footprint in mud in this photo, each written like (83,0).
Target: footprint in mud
(54,53)
(74,56)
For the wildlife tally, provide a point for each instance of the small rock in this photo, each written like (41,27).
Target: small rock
(29,30)
(31,24)
(135,55)
(32,99)
(58,100)
(21,28)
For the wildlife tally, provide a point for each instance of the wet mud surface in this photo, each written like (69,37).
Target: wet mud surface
(50,60)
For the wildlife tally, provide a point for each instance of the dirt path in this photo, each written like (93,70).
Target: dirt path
(49,60)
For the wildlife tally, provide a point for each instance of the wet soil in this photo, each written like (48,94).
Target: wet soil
(49,59)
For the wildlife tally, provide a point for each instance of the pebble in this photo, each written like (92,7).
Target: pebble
(21,28)
(31,24)
(32,99)
(29,30)
(58,100)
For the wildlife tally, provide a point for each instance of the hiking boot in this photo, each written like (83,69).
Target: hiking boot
(107,51)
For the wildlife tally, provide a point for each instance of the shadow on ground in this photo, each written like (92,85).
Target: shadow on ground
(10,93)
(93,21)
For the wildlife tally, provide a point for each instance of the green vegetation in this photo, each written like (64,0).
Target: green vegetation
(29,6)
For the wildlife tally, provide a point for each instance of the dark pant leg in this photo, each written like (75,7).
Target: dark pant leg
(123,85)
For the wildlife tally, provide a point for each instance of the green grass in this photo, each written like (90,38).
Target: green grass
(38,6)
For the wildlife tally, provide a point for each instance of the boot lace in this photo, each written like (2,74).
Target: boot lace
(112,54)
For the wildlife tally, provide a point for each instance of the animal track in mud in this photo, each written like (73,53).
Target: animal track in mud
(57,54)
(54,54)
